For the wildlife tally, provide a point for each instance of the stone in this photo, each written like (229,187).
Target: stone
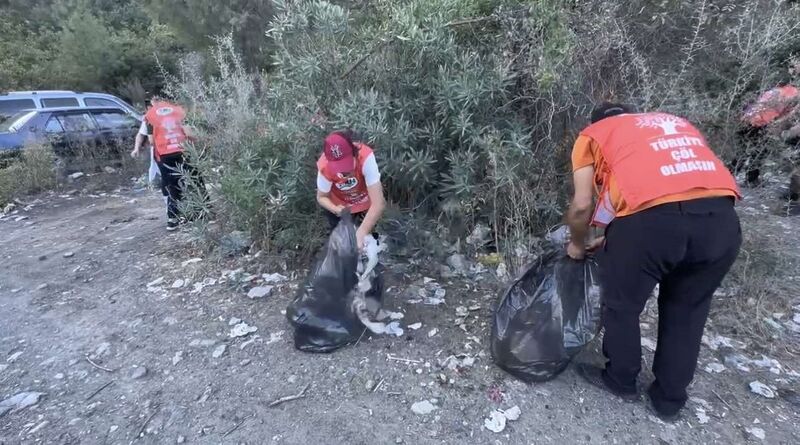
(415,326)
(110,170)
(458,263)
(180,439)
(422,408)
(177,358)
(260,292)
(69,254)
(762,390)
(177,284)
(138,372)
(242,330)
(758,433)
(42,286)
(433,332)
(219,351)
(19,402)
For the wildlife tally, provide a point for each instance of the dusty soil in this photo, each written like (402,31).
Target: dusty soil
(74,298)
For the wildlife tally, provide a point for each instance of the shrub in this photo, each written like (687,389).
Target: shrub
(33,171)
(471,105)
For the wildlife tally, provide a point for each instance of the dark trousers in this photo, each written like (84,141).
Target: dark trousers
(688,248)
(174,183)
(756,149)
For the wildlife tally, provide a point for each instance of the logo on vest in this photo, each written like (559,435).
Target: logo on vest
(163,111)
(348,184)
(667,123)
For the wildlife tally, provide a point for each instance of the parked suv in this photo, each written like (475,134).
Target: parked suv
(101,130)
(13,102)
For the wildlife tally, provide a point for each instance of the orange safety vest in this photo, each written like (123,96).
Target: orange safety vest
(167,122)
(653,155)
(351,192)
(771,105)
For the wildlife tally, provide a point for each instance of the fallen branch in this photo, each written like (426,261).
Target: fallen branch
(299,395)
(144,425)
(722,400)
(360,337)
(99,389)
(403,360)
(236,427)
(378,385)
(96,365)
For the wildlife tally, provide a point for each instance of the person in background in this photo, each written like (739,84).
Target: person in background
(667,205)
(769,114)
(348,178)
(167,134)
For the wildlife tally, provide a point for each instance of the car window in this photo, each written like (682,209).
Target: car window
(60,102)
(16,121)
(76,122)
(113,119)
(96,102)
(53,126)
(12,106)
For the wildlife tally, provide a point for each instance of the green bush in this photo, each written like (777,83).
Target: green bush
(471,106)
(33,171)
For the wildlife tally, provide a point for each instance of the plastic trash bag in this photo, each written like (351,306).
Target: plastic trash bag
(322,313)
(546,317)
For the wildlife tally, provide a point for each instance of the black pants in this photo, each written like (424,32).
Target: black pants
(358,218)
(755,152)
(688,248)
(174,184)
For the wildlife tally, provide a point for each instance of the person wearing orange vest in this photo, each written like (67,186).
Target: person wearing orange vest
(771,112)
(168,134)
(348,178)
(667,205)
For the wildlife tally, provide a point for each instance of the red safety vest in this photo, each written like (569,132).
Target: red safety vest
(651,156)
(351,192)
(167,122)
(771,105)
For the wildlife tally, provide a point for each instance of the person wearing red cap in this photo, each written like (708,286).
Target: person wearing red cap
(348,178)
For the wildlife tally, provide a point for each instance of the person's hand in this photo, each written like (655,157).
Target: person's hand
(135,153)
(338,210)
(596,243)
(360,236)
(575,251)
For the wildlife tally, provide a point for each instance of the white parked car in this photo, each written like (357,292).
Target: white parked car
(16,101)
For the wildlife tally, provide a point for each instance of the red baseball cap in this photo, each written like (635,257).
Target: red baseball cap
(340,154)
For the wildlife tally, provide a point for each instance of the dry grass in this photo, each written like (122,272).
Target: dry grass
(758,288)
(33,171)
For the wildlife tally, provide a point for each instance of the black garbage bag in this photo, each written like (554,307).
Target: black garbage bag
(322,312)
(546,317)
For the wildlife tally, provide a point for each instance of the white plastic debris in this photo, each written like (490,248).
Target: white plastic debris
(76,175)
(497,418)
(422,408)
(274,278)
(433,332)
(395,315)
(275,337)
(462,311)
(259,292)
(758,433)
(242,329)
(718,341)
(177,284)
(513,413)
(234,321)
(496,422)
(762,390)
(702,417)
(415,326)
(156,282)
(714,368)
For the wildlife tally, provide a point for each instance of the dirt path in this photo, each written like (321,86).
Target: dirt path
(96,256)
